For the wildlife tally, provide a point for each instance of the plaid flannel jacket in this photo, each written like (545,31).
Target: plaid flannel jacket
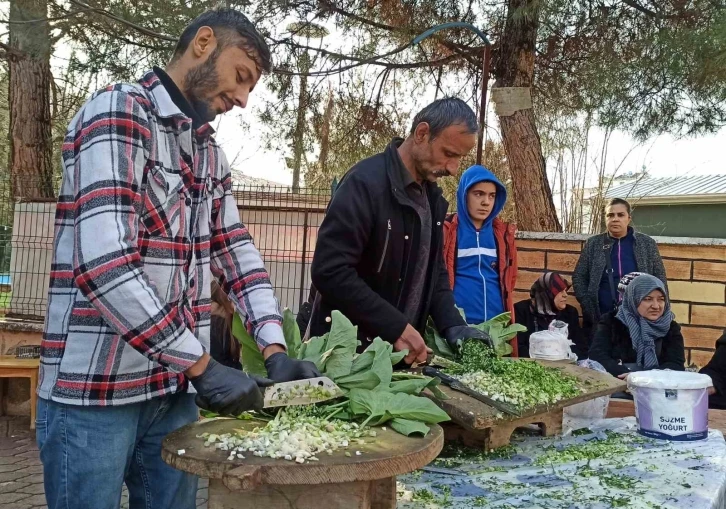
(144,217)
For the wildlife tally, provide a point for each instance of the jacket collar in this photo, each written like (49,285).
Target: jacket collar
(164,105)
(631,234)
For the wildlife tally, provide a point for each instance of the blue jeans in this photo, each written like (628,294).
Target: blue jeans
(88,453)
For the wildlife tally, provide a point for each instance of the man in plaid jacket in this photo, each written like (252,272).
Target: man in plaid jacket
(145,217)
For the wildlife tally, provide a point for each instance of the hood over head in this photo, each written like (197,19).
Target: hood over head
(472,176)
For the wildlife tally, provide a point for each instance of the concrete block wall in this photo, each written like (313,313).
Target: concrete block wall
(696,270)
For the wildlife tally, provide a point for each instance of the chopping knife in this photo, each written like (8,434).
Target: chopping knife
(301,392)
(458,386)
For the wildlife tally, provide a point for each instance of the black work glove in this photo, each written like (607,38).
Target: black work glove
(282,368)
(228,391)
(456,335)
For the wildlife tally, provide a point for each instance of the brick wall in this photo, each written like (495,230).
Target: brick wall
(696,271)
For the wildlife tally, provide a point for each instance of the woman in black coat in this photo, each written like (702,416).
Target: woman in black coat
(641,334)
(716,369)
(548,302)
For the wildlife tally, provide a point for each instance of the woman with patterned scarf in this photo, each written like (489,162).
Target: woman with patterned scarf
(641,334)
(548,302)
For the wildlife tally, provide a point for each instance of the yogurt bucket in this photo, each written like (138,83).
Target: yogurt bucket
(671,405)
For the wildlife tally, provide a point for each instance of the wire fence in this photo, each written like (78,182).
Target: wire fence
(284,225)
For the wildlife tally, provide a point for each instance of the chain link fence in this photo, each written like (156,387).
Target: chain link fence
(283,224)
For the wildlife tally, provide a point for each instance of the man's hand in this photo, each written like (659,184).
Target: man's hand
(281,368)
(624,376)
(412,341)
(711,390)
(227,391)
(458,333)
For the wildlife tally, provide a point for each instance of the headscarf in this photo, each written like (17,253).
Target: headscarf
(544,291)
(644,332)
(624,282)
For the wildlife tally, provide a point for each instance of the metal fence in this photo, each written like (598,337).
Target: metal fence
(283,224)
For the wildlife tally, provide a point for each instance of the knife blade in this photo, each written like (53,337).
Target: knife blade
(458,386)
(301,392)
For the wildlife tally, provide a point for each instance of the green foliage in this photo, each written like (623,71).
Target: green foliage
(379,407)
(291,332)
(342,342)
(498,329)
(252,361)
(335,356)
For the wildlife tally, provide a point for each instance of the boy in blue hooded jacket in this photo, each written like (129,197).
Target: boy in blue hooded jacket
(479,248)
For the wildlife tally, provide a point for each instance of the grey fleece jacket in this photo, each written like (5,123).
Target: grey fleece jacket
(592,263)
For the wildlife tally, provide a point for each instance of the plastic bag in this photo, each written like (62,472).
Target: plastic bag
(592,410)
(550,346)
(560,327)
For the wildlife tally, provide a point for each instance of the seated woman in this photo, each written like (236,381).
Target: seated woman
(716,369)
(641,334)
(548,302)
(223,347)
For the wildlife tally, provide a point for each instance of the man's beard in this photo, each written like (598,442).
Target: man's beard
(432,175)
(198,82)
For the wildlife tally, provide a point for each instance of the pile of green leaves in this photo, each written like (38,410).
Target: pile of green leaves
(523,383)
(498,328)
(374,393)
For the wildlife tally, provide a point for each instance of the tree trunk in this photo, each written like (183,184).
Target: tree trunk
(298,145)
(515,68)
(31,142)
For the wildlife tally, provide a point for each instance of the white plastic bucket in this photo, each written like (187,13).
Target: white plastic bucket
(671,405)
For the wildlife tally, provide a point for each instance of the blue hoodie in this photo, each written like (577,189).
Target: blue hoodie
(476,288)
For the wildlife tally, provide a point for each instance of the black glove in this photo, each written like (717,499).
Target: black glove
(282,368)
(228,391)
(458,333)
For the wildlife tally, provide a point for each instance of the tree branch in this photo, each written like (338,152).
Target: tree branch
(8,52)
(123,21)
(373,61)
(42,20)
(463,50)
(635,5)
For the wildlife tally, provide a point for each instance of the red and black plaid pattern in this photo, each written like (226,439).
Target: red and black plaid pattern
(145,216)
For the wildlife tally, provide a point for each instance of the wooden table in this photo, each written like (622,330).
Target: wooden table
(335,481)
(10,367)
(482,425)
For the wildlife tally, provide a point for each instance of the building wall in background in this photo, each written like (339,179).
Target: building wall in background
(705,221)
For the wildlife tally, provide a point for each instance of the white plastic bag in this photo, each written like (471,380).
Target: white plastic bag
(560,327)
(592,410)
(550,346)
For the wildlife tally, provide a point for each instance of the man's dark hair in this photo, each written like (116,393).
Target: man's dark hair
(230,27)
(618,201)
(446,112)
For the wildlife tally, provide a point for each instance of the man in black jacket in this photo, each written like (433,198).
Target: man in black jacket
(378,257)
